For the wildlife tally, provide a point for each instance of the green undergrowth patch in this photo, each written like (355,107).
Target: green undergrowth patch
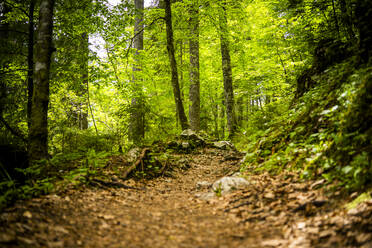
(56,174)
(325,133)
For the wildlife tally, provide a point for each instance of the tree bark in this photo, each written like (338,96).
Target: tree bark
(172,60)
(136,125)
(83,111)
(227,71)
(30,61)
(38,133)
(222,119)
(194,94)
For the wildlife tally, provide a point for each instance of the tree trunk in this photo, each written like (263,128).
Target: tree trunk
(222,119)
(227,72)
(38,133)
(30,61)
(215,115)
(170,47)
(136,125)
(194,94)
(240,108)
(83,111)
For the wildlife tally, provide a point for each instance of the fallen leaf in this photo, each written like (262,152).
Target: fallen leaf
(26,240)
(273,242)
(269,195)
(301,225)
(61,229)
(27,214)
(326,233)
(363,237)
(56,244)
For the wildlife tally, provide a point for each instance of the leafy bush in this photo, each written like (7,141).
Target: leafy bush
(326,133)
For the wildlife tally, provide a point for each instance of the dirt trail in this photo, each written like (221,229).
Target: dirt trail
(168,214)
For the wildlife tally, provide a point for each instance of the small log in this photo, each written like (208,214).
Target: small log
(135,164)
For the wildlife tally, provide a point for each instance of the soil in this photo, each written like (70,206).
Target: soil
(272,211)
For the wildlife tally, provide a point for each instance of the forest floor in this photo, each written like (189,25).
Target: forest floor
(272,211)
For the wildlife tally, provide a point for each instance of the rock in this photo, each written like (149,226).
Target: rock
(205,196)
(203,185)
(237,174)
(133,154)
(173,145)
(192,136)
(226,184)
(185,145)
(224,145)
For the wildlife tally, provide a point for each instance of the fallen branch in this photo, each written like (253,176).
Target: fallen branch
(138,162)
(162,171)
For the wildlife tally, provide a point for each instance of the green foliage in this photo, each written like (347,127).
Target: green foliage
(63,170)
(325,133)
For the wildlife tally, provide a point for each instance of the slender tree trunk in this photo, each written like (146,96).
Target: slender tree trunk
(170,47)
(90,108)
(30,61)
(227,72)
(136,125)
(38,133)
(181,72)
(194,94)
(83,112)
(247,109)
(240,109)
(215,115)
(222,119)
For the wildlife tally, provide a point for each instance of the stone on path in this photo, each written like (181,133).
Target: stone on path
(227,184)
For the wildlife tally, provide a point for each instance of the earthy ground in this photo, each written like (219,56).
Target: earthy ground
(165,212)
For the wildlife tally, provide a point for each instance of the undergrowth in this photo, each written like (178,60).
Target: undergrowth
(63,170)
(325,133)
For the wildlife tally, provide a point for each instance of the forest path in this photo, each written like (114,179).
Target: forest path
(270,212)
